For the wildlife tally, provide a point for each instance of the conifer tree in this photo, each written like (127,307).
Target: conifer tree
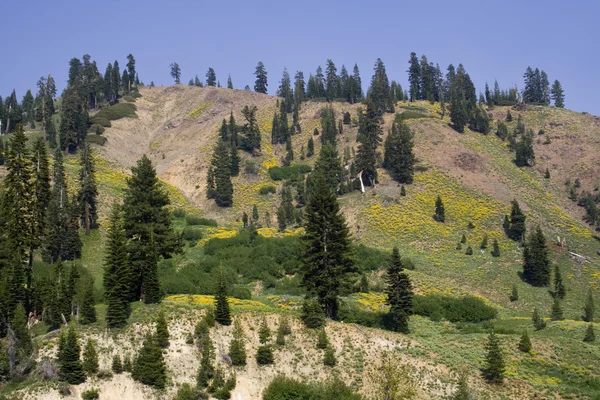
(322,340)
(328,127)
(260,85)
(588,310)
(525,343)
(88,190)
(210,183)
(211,77)
(326,261)
(514,294)
(538,321)
(147,219)
(207,369)
(117,366)
(237,346)
(402,191)
(557,312)
(87,313)
(162,331)
(547,174)
(558,95)
(399,158)
(536,266)
(71,369)
(222,313)
(222,174)
(289,156)
(494,360)
(484,242)
(229,82)
(117,274)
(250,130)
(18,325)
(414,77)
(90,358)
(590,336)
(463,239)
(440,212)
(41,193)
(310,149)
(369,138)
(234,156)
(149,367)
(559,288)
(264,353)
(399,293)
(525,156)
(328,166)
(516,229)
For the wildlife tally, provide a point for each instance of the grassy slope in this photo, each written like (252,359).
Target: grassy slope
(478,192)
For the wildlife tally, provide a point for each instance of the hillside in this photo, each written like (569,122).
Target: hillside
(177,127)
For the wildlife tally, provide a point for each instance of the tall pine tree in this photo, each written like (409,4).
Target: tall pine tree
(222,313)
(88,189)
(399,158)
(369,138)
(399,293)
(536,265)
(117,272)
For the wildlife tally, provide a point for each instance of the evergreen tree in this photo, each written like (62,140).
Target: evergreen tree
(117,366)
(162,331)
(536,266)
(289,156)
(356,85)
(380,95)
(90,358)
(328,127)
(590,336)
(502,130)
(88,190)
(285,91)
(329,358)
(328,166)
(463,392)
(369,138)
(327,263)
(558,95)
(402,191)
(525,156)
(414,77)
(525,343)
(222,175)
(23,346)
(399,293)
(41,193)
(508,116)
(331,81)
(514,294)
(149,367)
(484,242)
(310,149)
(207,369)
(469,251)
(131,70)
(117,273)
(237,346)
(87,313)
(299,87)
(71,369)
(588,310)
(264,354)
(211,190)
(260,85)
(147,219)
(516,228)
(538,321)
(234,156)
(229,82)
(211,77)
(440,211)
(250,130)
(222,314)
(494,360)
(559,288)
(399,158)
(557,312)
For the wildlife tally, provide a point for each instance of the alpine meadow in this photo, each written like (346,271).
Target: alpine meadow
(339,232)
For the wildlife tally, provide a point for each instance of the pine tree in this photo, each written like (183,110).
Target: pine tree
(440,212)
(310,149)
(222,173)
(229,82)
(484,242)
(90,358)
(588,310)
(41,193)
(557,312)
(495,249)
(289,156)
(211,77)
(399,158)
(414,77)
(328,127)
(494,360)
(207,369)
(536,266)
(538,321)
(117,366)
(525,156)
(222,314)
(463,239)
(322,340)
(559,288)
(329,358)
(369,138)
(516,229)
(525,343)
(280,339)
(117,274)
(327,263)
(88,190)
(402,191)
(469,251)
(71,369)
(399,293)
(147,219)
(234,156)
(250,130)
(260,85)
(162,331)
(558,95)
(514,294)
(237,346)
(328,166)
(149,367)
(18,324)
(211,191)
(590,336)
(87,313)
(312,314)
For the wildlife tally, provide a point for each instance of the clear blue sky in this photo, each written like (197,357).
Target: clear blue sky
(493,39)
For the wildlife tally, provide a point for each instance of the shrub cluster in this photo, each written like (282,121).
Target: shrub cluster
(291,172)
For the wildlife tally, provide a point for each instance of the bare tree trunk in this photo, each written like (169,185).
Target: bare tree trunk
(362,186)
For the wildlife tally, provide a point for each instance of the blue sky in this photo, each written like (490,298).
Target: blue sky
(492,39)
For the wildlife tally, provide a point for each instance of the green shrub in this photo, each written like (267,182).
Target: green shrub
(191,234)
(91,394)
(100,120)
(129,99)
(179,213)
(188,392)
(312,314)
(264,355)
(413,115)
(117,111)
(283,388)
(96,129)
(266,189)
(453,309)
(135,94)
(240,292)
(290,172)
(96,139)
(195,220)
